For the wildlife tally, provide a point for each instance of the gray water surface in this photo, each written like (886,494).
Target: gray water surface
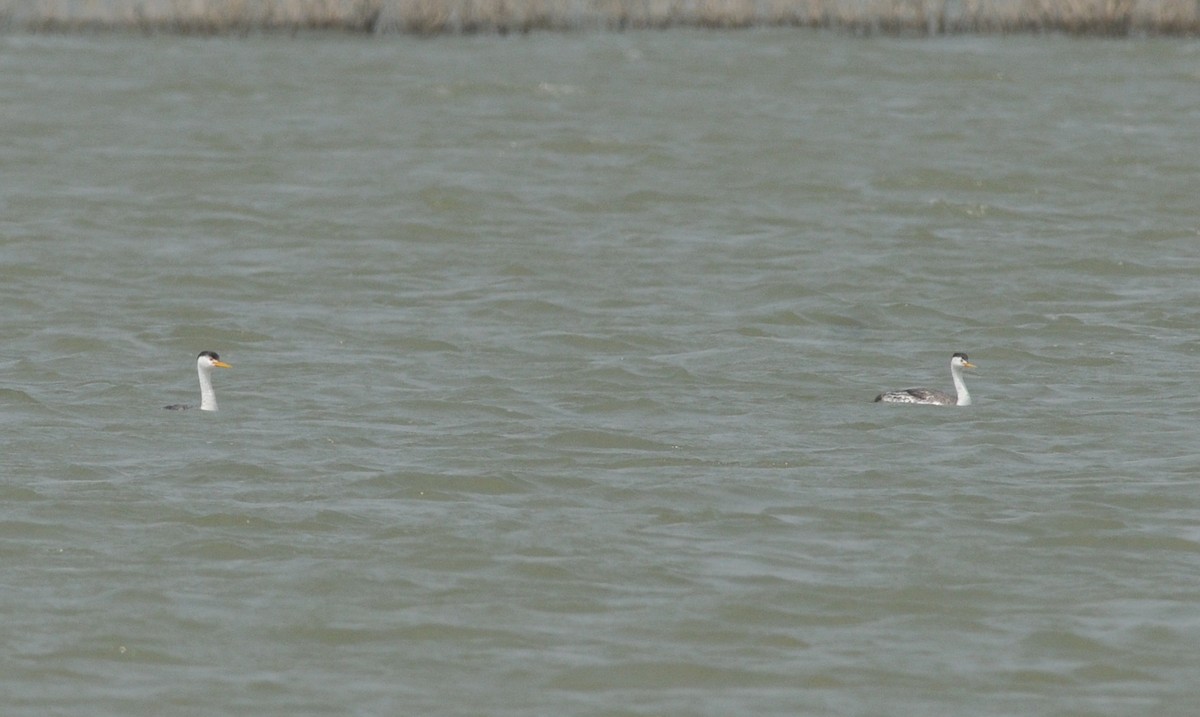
(553,367)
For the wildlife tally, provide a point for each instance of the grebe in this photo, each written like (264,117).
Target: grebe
(931,397)
(205,362)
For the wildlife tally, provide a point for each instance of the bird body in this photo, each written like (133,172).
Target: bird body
(933,397)
(205,363)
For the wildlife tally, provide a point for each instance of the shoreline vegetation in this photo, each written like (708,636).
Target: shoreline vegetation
(1109,18)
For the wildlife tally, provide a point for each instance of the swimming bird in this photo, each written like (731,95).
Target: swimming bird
(932,397)
(205,363)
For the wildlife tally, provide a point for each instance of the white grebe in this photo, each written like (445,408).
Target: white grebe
(205,363)
(929,396)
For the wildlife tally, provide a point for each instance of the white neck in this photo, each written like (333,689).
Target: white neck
(960,387)
(208,398)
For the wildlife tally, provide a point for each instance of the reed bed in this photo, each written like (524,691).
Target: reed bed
(433,17)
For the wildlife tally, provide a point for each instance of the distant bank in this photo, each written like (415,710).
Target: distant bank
(1117,18)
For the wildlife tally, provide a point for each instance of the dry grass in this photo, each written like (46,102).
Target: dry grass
(433,17)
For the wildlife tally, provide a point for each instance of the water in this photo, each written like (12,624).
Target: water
(553,366)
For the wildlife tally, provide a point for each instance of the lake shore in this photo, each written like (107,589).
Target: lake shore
(1109,18)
